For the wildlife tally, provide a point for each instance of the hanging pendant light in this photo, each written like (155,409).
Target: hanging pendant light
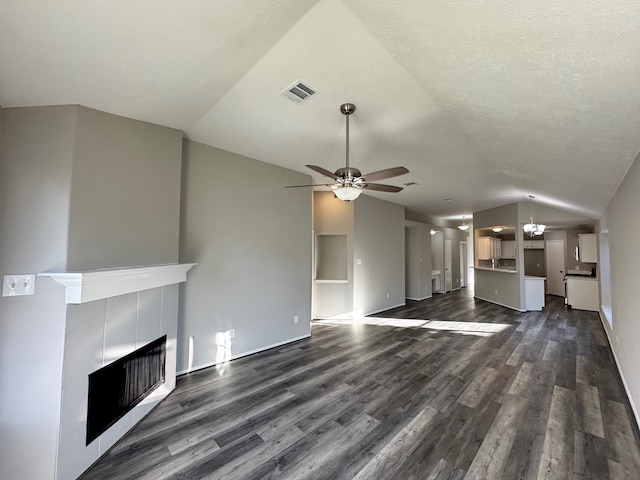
(464,227)
(533,229)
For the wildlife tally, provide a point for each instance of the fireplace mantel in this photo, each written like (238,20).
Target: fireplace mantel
(87,286)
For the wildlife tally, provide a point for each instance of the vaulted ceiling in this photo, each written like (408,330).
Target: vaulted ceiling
(484,102)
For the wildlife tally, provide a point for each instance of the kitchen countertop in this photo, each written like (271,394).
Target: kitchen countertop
(504,270)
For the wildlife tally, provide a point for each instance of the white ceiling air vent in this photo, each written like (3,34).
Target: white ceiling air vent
(298,92)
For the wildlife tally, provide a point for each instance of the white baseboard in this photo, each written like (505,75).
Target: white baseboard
(243,354)
(419,299)
(384,309)
(501,304)
(606,327)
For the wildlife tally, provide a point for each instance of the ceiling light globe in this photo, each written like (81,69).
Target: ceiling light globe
(347,193)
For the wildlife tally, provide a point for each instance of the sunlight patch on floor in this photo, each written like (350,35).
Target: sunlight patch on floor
(480,329)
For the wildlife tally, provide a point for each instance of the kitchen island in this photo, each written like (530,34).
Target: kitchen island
(534,293)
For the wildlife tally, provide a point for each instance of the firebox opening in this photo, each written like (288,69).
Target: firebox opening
(118,387)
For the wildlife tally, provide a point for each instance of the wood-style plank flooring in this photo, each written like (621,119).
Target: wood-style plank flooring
(445,388)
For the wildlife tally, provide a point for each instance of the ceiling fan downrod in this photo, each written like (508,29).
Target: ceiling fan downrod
(347,109)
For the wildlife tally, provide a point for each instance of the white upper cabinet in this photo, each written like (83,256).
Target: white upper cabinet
(588,247)
(508,248)
(488,248)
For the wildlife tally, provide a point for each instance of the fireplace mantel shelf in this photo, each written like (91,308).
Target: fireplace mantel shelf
(87,286)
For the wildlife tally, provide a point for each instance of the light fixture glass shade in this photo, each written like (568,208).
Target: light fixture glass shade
(433,232)
(347,193)
(497,229)
(464,228)
(534,229)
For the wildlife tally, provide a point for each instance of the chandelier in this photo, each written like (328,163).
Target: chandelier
(532,228)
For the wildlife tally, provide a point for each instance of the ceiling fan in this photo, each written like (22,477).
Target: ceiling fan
(349,181)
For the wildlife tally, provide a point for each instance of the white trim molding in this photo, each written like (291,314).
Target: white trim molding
(87,286)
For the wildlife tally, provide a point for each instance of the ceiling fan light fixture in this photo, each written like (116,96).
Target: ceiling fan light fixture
(464,227)
(347,193)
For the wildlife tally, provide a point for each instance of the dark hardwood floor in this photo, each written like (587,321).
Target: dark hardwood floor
(446,388)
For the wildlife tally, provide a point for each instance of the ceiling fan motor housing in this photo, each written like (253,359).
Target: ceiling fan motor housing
(348,172)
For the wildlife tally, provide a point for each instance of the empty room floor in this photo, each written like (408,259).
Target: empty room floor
(445,388)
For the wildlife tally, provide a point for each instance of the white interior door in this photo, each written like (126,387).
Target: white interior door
(448,277)
(554,253)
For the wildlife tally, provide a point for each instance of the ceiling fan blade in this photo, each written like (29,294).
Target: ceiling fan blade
(378,187)
(386,173)
(323,171)
(311,185)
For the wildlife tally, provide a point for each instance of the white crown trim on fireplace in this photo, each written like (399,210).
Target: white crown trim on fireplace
(87,286)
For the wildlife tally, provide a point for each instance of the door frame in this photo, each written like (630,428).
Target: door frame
(463,264)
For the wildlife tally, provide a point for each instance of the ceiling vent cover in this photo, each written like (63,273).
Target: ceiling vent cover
(299,92)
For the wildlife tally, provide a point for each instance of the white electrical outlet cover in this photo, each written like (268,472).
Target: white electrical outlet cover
(17,285)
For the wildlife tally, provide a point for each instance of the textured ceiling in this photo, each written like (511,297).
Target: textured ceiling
(484,102)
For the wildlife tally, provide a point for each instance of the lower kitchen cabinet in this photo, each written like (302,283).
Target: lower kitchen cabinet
(534,293)
(582,293)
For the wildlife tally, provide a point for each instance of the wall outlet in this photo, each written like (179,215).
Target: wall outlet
(16,285)
(232,333)
(495,291)
(388,296)
(295,319)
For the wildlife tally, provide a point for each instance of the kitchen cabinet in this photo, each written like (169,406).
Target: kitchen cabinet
(588,248)
(533,244)
(488,248)
(508,249)
(582,293)
(534,293)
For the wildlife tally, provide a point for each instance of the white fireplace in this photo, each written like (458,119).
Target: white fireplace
(109,314)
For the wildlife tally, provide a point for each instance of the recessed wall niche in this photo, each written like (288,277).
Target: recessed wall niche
(331,258)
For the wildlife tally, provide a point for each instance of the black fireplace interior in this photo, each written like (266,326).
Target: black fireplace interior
(118,387)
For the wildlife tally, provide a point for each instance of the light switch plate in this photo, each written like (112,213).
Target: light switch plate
(16,285)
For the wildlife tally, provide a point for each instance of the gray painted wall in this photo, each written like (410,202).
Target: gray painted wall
(624,237)
(125,208)
(79,189)
(502,288)
(412,263)
(379,245)
(35,175)
(417,261)
(251,238)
